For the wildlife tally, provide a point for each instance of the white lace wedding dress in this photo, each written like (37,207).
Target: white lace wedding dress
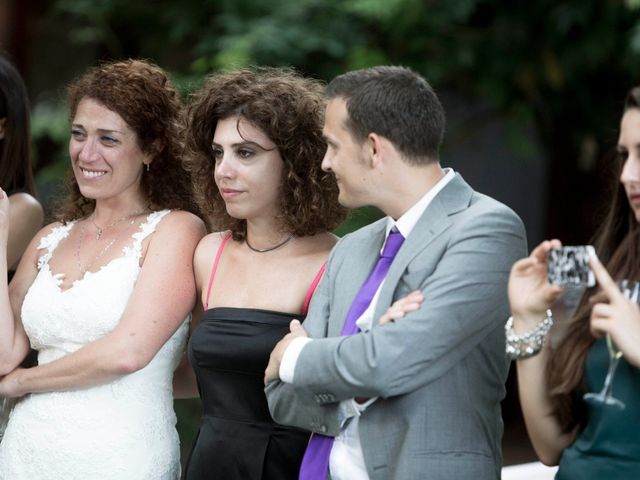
(123,430)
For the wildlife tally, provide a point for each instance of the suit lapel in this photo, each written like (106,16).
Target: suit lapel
(454,197)
(358,263)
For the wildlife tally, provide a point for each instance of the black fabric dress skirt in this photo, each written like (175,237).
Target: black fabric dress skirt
(237,439)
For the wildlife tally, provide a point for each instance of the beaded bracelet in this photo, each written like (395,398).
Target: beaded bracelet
(530,343)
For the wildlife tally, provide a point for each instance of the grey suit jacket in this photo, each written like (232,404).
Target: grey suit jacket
(439,372)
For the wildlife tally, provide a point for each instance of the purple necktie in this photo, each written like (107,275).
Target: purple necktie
(315,464)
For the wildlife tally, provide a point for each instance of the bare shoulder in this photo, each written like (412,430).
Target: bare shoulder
(183,222)
(208,246)
(322,243)
(205,255)
(24,199)
(328,239)
(182,219)
(46,231)
(26,206)
(33,250)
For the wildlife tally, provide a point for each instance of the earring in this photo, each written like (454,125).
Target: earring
(147,166)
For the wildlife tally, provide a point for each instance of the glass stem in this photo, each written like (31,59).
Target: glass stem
(608,381)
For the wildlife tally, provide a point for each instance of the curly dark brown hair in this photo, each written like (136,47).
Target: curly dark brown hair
(142,94)
(289,109)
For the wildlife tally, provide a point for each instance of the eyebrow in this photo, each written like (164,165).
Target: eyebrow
(245,143)
(100,130)
(328,140)
(623,148)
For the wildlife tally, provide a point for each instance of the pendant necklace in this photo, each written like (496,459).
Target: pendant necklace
(100,230)
(85,268)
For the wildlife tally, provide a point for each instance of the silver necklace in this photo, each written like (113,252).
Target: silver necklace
(263,250)
(85,268)
(100,230)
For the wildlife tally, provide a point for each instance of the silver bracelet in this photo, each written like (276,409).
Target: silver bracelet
(530,343)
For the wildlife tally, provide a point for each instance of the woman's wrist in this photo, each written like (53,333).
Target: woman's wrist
(524,345)
(524,322)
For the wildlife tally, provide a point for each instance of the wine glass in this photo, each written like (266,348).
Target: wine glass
(630,290)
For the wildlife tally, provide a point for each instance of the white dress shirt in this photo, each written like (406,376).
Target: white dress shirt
(346,461)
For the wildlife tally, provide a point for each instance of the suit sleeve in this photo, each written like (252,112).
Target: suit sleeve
(465,298)
(299,407)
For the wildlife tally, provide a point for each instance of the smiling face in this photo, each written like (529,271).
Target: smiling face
(106,159)
(248,169)
(629,150)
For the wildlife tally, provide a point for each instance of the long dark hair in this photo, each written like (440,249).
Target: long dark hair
(15,152)
(617,244)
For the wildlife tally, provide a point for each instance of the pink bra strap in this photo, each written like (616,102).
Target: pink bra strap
(312,288)
(215,267)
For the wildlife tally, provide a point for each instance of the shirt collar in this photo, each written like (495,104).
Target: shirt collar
(408,220)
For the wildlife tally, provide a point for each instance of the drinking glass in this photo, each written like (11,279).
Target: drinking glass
(630,290)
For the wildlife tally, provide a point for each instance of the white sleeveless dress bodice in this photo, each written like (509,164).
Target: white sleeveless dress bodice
(122,430)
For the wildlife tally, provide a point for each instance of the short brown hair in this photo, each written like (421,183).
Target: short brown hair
(394,102)
(289,109)
(142,94)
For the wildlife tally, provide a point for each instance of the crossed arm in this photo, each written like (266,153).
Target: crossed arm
(464,300)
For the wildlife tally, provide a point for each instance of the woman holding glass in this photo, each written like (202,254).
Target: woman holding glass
(592,436)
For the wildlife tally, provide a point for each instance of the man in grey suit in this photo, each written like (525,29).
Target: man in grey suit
(418,397)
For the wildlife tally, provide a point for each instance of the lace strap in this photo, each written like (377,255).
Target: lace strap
(147,228)
(51,241)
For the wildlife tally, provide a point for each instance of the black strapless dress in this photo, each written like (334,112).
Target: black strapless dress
(237,439)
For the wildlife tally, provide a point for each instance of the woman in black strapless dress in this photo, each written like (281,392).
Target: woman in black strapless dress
(257,134)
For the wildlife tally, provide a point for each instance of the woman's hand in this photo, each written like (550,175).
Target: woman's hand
(401,307)
(619,317)
(530,293)
(10,385)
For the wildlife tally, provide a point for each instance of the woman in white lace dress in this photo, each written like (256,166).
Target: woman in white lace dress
(103,294)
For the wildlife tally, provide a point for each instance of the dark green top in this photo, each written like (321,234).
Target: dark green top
(609,446)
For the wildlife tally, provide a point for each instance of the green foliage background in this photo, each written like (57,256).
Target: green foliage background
(561,65)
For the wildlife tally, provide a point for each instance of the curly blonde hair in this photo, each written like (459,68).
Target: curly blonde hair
(289,109)
(142,94)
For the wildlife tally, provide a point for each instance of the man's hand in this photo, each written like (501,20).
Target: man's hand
(273,368)
(408,304)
